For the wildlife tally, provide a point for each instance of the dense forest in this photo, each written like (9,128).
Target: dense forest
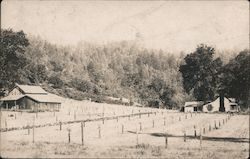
(123,69)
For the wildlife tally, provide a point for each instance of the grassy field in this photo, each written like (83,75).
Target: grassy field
(130,136)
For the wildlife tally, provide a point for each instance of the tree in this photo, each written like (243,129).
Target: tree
(200,73)
(235,78)
(12,59)
(167,97)
(56,81)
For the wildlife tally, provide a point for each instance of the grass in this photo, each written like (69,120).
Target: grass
(52,143)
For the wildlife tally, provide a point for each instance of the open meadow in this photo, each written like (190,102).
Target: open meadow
(84,129)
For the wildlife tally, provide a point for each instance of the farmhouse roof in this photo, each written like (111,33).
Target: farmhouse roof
(12,97)
(40,98)
(27,89)
(233,100)
(192,104)
(49,98)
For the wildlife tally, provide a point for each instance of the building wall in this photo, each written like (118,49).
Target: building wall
(215,105)
(189,109)
(29,103)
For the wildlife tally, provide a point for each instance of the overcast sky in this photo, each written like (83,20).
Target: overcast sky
(169,25)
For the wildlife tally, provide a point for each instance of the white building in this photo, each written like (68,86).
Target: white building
(192,106)
(229,105)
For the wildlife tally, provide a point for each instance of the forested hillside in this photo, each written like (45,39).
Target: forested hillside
(119,69)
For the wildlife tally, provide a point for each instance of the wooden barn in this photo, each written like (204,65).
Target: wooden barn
(31,98)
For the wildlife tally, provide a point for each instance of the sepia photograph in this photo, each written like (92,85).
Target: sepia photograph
(125,79)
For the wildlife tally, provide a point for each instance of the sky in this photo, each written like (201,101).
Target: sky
(173,26)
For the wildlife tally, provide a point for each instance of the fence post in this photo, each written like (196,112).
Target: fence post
(153,123)
(219,123)
(215,127)
(69,135)
(140,126)
(28,129)
(166,140)
(60,123)
(99,130)
(136,136)
(103,120)
(5,122)
(33,133)
(209,127)
(194,131)
(82,133)
(185,136)
(122,128)
(204,130)
(200,139)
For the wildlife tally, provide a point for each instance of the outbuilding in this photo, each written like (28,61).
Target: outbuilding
(31,98)
(192,106)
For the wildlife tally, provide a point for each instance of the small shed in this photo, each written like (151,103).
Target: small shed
(192,106)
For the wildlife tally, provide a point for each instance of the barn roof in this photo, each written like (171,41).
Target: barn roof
(27,89)
(49,98)
(12,97)
(40,98)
